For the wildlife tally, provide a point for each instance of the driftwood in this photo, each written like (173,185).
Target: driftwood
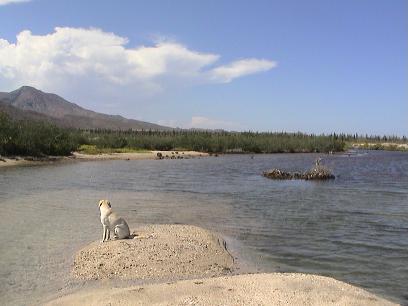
(316,173)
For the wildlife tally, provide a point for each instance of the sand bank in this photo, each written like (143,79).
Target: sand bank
(137,156)
(187,265)
(28,161)
(7,162)
(156,252)
(384,145)
(249,289)
(31,161)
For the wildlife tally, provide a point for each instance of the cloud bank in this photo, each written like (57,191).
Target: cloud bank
(77,60)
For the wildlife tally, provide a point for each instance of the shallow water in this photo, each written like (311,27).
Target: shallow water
(354,228)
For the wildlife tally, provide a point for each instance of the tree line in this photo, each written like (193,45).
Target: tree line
(33,138)
(214,141)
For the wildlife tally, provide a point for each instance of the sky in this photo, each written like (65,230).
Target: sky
(313,66)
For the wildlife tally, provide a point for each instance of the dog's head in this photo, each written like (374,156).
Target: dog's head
(104,204)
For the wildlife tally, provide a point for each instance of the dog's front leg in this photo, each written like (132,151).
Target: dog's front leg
(108,232)
(104,233)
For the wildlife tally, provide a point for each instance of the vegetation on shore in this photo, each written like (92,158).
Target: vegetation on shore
(94,150)
(386,146)
(366,142)
(33,138)
(215,142)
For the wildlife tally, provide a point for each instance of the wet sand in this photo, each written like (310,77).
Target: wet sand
(192,266)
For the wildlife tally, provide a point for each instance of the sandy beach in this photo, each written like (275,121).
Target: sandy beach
(188,265)
(10,162)
(396,146)
(31,161)
(141,155)
(77,156)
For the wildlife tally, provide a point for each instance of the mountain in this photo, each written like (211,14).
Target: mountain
(19,114)
(32,104)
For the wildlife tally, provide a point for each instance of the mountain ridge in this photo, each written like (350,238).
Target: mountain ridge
(29,103)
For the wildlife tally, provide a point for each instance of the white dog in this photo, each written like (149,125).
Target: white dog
(111,222)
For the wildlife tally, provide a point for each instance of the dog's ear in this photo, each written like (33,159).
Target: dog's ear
(100,203)
(108,203)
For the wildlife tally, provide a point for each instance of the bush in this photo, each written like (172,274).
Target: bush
(34,138)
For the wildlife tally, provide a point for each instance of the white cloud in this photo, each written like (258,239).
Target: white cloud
(171,122)
(5,2)
(90,64)
(208,123)
(241,68)
(201,122)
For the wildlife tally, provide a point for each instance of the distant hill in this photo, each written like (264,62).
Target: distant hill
(29,103)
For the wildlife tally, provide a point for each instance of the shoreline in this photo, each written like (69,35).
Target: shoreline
(142,155)
(8,161)
(183,265)
(77,156)
(385,146)
(31,161)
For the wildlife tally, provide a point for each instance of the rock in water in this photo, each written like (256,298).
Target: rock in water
(319,172)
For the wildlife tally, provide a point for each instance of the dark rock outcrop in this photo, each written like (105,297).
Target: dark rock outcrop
(316,173)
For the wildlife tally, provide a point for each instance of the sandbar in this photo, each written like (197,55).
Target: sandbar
(188,265)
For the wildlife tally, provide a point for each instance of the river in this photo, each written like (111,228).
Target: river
(353,228)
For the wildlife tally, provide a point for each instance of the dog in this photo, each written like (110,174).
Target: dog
(112,222)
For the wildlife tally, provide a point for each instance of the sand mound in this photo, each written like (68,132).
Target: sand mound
(156,252)
(255,289)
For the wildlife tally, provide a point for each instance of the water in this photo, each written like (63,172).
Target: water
(354,228)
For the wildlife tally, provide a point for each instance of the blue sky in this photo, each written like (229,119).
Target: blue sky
(311,66)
